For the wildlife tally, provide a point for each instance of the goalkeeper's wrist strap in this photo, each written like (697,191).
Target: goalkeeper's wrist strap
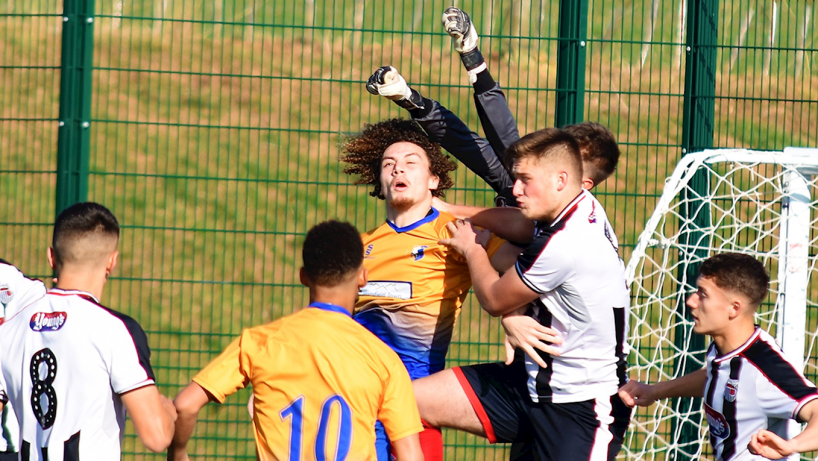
(414,101)
(473,59)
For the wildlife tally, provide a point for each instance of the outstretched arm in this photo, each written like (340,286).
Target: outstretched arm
(644,395)
(506,222)
(492,106)
(443,127)
(771,446)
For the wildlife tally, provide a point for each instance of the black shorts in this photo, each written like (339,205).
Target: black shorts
(549,431)
(522,451)
(8,456)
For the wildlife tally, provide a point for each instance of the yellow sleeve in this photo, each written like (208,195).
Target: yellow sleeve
(495,243)
(399,410)
(224,375)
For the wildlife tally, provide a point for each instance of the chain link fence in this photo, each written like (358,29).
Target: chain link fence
(211,130)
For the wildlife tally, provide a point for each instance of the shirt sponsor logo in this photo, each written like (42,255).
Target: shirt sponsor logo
(417,252)
(731,390)
(45,321)
(718,423)
(387,289)
(368,250)
(5,294)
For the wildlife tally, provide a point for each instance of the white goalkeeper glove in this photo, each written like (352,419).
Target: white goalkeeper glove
(387,82)
(464,36)
(459,26)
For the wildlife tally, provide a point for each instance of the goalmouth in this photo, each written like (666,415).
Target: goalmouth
(724,200)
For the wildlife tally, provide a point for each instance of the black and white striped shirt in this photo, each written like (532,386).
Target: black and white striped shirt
(66,360)
(754,387)
(16,292)
(574,265)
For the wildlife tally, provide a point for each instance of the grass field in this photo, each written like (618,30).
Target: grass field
(215,127)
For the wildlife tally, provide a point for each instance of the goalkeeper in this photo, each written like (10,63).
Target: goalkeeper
(750,389)
(598,147)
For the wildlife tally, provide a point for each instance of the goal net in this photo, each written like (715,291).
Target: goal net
(758,203)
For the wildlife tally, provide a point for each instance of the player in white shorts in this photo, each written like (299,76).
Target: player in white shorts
(71,366)
(750,389)
(573,275)
(16,292)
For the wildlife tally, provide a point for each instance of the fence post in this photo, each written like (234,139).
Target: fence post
(573,31)
(697,134)
(75,103)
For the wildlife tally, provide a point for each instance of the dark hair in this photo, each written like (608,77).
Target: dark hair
(364,152)
(550,143)
(739,273)
(77,222)
(598,149)
(332,250)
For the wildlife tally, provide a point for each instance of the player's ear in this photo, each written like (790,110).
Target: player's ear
(434,181)
(302,275)
(587,183)
(50,257)
(737,307)
(562,180)
(112,261)
(363,277)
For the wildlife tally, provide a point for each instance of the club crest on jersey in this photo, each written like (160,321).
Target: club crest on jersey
(731,390)
(717,422)
(417,252)
(48,321)
(5,294)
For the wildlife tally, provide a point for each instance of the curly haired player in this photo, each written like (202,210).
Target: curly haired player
(416,285)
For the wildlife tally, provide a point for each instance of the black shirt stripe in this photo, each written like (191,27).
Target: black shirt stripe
(543,383)
(778,371)
(622,358)
(729,411)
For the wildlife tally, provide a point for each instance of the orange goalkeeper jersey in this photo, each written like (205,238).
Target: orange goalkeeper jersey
(415,290)
(320,381)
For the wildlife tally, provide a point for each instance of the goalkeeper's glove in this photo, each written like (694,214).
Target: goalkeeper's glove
(458,25)
(387,82)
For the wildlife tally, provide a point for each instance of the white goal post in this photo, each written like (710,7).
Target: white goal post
(759,203)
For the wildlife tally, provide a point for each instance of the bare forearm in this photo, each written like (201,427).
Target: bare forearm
(484,277)
(188,404)
(807,440)
(690,385)
(408,448)
(506,222)
(185,423)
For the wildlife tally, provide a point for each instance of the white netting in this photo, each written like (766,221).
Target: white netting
(715,201)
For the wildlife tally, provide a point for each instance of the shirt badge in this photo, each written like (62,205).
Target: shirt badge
(418,252)
(731,390)
(368,251)
(5,294)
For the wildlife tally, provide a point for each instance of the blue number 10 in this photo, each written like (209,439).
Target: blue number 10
(295,410)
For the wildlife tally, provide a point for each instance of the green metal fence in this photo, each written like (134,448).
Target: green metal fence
(211,130)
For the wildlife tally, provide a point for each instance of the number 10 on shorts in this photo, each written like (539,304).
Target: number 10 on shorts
(295,411)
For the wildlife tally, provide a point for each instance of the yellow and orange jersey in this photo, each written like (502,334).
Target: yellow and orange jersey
(320,381)
(415,290)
